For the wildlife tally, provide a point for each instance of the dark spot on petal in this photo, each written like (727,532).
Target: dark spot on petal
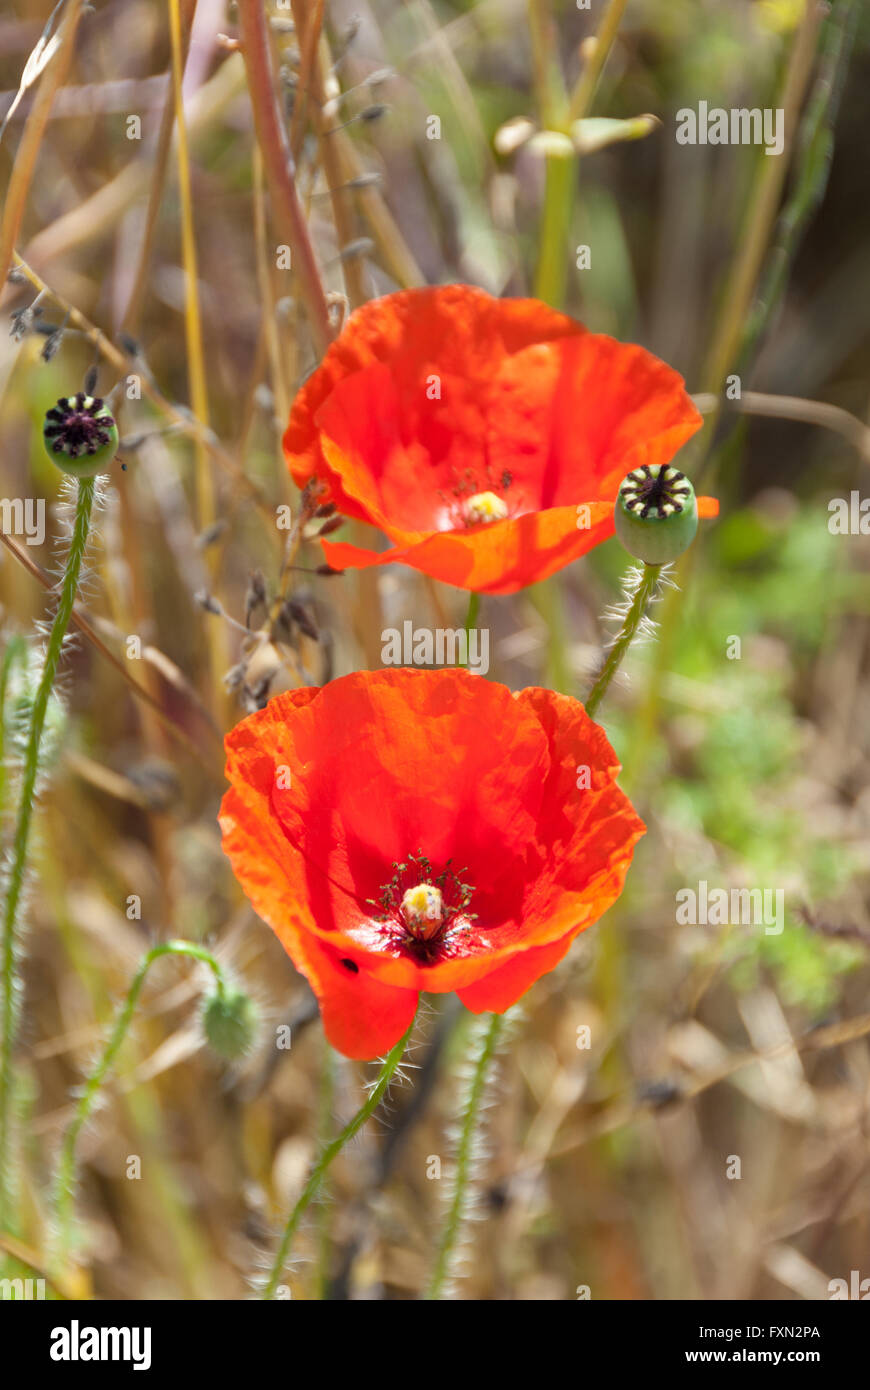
(351,965)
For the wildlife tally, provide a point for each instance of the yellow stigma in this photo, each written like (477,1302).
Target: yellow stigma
(423,910)
(485,506)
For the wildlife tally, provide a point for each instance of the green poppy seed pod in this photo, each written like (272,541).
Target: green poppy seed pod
(229,1021)
(80,435)
(656,514)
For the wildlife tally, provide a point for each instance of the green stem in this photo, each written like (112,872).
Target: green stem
(548,601)
(16,651)
(65,1180)
(325,1101)
(471,615)
(18,868)
(641,597)
(328,1154)
(560,189)
(584,93)
(464,1157)
(559,195)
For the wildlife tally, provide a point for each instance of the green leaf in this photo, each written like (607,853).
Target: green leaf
(597,132)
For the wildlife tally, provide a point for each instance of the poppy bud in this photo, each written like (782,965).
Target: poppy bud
(229,1021)
(80,435)
(656,514)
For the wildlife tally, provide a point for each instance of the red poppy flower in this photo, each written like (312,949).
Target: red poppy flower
(407,830)
(486,438)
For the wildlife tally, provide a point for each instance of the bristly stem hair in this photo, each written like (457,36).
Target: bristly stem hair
(327,1155)
(17,869)
(484,1041)
(643,592)
(64,1189)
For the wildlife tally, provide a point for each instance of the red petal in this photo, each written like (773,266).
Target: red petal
(503,986)
(383,764)
(390,762)
(455,329)
(430,395)
(496,559)
(362,1017)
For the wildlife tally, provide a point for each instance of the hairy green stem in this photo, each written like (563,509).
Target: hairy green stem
(17,872)
(633,618)
(328,1154)
(457,1212)
(325,1100)
(15,651)
(65,1180)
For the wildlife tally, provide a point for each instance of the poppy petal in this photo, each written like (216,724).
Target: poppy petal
(501,988)
(431,399)
(361,1016)
(495,559)
(455,328)
(382,763)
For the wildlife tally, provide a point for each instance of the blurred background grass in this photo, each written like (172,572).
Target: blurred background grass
(608,1164)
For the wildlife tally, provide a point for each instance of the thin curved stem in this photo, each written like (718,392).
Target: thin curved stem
(464,1159)
(584,93)
(330,1152)
(325,1101)
(471,615)
(64,1182)
(643,593)
(18,866)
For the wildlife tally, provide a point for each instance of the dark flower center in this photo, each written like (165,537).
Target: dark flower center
(661,490)
(75,426)
(422,912)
